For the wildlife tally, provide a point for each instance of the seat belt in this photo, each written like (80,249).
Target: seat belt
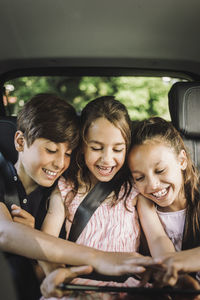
(83,214)
(9,176)
(88,206)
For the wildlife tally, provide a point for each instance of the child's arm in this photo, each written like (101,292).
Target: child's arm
(53,223)
(158,242)
(55,215)
(54,218)
(22,240)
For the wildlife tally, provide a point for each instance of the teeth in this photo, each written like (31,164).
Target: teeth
(105,168)
(160,193)
(49,172)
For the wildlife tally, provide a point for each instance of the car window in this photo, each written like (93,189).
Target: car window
(143,96)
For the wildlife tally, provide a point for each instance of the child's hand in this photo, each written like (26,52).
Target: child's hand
(153,272)
(170,277)
(49,286)
(20,215)
(174,267)
(181,262)
(162,275)
(117,264)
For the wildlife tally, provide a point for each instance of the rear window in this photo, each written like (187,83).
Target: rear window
(143,96)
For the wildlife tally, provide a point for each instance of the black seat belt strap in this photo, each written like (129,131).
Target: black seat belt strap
(83,214)
(10,177)
(88,206)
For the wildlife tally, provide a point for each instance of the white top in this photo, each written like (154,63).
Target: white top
(173,223)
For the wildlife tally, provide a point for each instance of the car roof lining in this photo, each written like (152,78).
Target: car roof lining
(99,38)
(137,34)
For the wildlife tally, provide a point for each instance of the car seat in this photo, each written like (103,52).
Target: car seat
(7,132)
(7,288)
(184,107)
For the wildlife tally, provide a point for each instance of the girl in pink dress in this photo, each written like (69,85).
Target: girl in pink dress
(101,156)
(165,176)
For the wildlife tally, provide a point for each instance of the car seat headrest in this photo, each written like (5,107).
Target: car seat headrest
(7,132)
(184,107)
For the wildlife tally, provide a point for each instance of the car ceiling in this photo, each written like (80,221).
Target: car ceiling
(138,34)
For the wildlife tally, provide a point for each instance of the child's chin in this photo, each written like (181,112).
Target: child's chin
(46,183)
(106,178)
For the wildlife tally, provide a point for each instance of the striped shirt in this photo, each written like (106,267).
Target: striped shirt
(111,228)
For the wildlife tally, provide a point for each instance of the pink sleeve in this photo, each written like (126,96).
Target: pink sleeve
(64,187)
(131,196)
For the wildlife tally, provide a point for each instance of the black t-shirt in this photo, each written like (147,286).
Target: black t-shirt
(35,203)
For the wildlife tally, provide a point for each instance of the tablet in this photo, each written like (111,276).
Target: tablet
(129,290)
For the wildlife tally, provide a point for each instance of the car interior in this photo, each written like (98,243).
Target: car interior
(108,40)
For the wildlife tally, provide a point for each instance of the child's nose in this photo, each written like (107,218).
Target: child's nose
(59,162)
(107,156)
(153,182)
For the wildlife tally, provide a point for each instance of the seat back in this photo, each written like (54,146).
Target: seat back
(7,287)
(184,107)
(7,132)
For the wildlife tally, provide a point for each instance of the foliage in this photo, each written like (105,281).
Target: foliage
(143,96)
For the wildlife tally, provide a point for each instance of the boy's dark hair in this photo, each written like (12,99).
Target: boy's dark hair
(158,129)
(47,116)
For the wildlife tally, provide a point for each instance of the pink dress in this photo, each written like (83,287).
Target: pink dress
(110,229)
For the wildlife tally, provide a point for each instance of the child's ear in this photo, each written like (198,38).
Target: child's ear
(19,141)
(183,159)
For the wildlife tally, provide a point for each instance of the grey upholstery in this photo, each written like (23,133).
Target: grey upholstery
(184,107)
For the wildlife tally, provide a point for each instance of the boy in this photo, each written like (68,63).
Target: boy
(47,132)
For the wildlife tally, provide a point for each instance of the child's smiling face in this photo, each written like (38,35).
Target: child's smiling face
(42,162)
(104,150)
(157,173)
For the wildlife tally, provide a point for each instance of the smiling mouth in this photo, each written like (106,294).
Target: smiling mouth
(50,173)
(160,193)
(105,170)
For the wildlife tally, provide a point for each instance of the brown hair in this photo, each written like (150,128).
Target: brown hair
(154,128)
(115,112)
(48,116)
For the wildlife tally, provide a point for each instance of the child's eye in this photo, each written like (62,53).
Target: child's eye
(50,151)
(160,171)
(68,154)
(96,149)
(118,150)
(139,178)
